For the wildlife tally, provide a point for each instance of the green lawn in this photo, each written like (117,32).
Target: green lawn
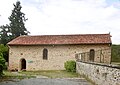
(32,74)
(52,73)
(10,75)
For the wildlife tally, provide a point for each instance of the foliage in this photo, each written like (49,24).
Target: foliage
(16,27)
(4,34)
(2,64)
(4,51)
(70,66)
(17,19)
(115,53)
(2,60)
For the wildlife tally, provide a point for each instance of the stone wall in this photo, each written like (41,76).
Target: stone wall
(101,74)
(57,55)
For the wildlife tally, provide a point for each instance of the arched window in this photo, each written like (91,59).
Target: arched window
(45,54)
(92,55)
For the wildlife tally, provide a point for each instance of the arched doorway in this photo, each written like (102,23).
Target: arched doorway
(23,64)
(92,55)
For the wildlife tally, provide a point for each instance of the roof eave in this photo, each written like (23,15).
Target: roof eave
(59,44)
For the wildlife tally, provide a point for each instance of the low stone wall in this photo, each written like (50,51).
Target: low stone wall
(101,74)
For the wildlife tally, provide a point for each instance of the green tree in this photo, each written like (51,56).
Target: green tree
(115,53)
(4,34)
(16,27)
(17,21)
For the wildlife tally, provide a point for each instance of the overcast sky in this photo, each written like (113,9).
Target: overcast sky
(49,17)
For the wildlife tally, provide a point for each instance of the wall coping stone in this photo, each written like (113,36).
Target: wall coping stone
(101,64)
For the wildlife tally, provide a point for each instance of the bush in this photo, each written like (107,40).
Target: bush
(70,66)
(1,70)
(2,64)
(4,51)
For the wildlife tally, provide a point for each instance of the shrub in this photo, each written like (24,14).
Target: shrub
(2,64)
(4,51)
(70,66)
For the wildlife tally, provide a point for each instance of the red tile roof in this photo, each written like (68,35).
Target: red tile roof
(62,39)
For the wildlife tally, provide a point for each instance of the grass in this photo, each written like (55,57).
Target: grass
(49,73)
(116,63)
(32,74)
(9,76)
(52,73)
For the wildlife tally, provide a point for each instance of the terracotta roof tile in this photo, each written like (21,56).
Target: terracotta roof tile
(62,39)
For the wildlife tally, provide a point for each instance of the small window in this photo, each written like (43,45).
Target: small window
(45,54)
(92,55)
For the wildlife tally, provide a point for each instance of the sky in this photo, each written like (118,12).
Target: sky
(56,17)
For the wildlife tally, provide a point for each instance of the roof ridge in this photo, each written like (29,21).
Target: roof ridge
(65,35)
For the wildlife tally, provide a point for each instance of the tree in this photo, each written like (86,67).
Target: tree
(4,34)
(16,27)
(17,21)
(115,53)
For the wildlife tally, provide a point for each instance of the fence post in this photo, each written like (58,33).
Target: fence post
(100,55)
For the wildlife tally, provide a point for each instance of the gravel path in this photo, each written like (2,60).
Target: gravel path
(47,81)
